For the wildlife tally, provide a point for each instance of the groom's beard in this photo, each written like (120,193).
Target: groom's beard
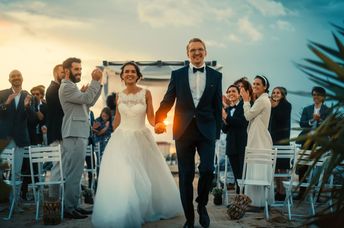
(73,77)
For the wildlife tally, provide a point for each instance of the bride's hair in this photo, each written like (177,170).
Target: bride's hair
(138,71)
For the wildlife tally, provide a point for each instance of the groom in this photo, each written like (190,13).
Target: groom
(197,90)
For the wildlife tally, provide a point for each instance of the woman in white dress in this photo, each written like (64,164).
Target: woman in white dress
(135,184)
(258,137)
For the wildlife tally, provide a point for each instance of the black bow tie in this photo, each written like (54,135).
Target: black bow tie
(194,69)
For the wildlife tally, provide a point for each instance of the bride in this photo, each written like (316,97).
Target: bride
(135,184)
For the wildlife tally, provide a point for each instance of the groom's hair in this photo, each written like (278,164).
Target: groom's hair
(195,40)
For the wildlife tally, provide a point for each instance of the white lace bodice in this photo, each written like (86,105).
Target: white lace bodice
(132,108)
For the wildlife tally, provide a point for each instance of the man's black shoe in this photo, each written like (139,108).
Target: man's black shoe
(188,225)
(74,215)
(203,216)
(83,211)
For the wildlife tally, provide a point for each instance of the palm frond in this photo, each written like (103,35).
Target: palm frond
(329,50)
(328,138)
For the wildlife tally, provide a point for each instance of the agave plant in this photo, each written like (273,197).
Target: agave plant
(328,72)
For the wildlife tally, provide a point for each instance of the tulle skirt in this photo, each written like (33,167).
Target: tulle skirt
(135,184)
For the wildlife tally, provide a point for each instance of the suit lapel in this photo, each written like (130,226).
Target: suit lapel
(207,84)
(13,103)
(21,101)
(187,82)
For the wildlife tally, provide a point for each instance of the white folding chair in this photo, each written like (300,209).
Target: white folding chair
(302,158)
(285,152)
(93,169)
(7,156)
(259,157)
(40,155)
(96,151)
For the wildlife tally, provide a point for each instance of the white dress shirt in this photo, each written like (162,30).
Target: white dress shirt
(197,83)
(233,109)
(17,98)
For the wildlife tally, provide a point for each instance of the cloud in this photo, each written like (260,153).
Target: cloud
(168,13)
(213,43)
(269,7)
(283,25)
(39,21)
(234,38)
(183,13)
(246,28)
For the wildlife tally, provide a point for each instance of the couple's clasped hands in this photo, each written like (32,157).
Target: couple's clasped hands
(160,128)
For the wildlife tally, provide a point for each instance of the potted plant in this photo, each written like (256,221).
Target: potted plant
(217,193)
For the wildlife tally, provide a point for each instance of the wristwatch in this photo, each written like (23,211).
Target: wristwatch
(3,107)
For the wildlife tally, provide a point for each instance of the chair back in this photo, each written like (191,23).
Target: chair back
(285,151)
(41,154)
(7,156)
(259,156)
(89,153)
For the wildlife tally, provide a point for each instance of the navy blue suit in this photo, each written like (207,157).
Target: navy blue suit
(236,129)
(14,121)
(194,128)
(307,115)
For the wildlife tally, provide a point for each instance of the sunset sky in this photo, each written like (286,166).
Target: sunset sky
(247,37)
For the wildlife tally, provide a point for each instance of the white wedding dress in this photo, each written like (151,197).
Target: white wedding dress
(135,184)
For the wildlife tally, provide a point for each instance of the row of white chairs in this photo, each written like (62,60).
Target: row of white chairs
(296,157)
(38,155)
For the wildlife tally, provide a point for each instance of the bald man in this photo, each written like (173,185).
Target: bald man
(15,112)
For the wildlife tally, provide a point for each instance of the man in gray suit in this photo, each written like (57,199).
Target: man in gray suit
(75,130)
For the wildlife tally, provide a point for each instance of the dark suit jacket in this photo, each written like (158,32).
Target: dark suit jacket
(13,121)
(54,113)
(307,115)
(34,127)
(279,126)
(208,112)
(236,129)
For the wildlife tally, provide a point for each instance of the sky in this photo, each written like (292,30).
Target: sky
(247,37)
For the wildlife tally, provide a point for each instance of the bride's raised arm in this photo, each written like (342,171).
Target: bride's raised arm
(117,119)
(150,109)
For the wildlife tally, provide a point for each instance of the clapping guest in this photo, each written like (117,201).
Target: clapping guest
(15,113)
(102,128)
(36,132)
(280,132)
(75,130)
(258,137)
(54,122)
(311,118)
(244,83)
(235,125)
(40,107)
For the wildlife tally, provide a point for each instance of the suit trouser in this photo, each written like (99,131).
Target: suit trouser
(73,158)
(186,146)
(237,163)
(55,173)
